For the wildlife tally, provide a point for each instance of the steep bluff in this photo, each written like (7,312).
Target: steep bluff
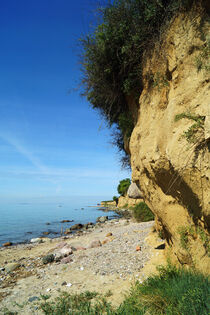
(170,144)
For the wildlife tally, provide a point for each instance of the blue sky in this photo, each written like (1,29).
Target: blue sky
(51,142)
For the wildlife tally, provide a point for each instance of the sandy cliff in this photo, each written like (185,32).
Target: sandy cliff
(170,157)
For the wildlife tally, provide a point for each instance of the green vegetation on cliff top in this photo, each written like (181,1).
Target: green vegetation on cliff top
(112,57)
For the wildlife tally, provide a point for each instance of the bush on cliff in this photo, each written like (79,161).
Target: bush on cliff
(112,57)
(123,186)
(142,212)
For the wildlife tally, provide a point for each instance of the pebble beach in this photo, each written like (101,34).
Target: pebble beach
(108,257)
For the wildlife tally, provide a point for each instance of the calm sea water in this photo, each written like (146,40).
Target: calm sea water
(22,220)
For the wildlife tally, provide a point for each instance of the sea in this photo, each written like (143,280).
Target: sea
(22,220)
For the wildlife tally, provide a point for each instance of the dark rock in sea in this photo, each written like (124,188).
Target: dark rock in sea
(7,244)
(76,226)
(28,232)
(48,223)
(65,221)
(46,233)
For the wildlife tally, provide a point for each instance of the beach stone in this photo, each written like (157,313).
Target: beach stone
(138,248)
(61,244)
(46,233)
(11,267)
(102,219)
(33,298)
(105,241)
(64,283)
(95,243)
(66,260)
(68,231)
(108,234)
(63,252)
(80,248)
(76,226)
(37,240)
(7,244)
(48,259)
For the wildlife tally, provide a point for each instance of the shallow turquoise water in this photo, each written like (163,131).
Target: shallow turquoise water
(22,220)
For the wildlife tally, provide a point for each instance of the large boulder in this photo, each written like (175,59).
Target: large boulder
(134,191)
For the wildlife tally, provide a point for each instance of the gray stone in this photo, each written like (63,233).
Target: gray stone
(102,219)
(11,267)
(134,192)
(33,298)
(95,244)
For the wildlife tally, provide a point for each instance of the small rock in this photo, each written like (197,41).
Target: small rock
(37,240)
(108,234)
(67,231)
(65,221)
(48,290)
(11,267)
(69,284)
(7,244)
(102,219)
(81,268)
(66,260)
(76,226)
(81,248)
(48,223)
(138,248)
(105,241)
(95,244)
(48,259)
(46,233)
(64,283)
(61,244)
(33,298)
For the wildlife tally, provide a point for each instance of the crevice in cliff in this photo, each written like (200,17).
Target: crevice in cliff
(172,183)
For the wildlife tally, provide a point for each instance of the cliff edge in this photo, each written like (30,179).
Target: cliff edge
(170,143)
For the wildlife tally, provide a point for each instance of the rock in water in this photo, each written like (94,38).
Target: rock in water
(76,226)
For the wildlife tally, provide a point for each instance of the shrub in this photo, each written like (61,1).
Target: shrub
(123,186)
(112,56)
(142,212)
(173,292)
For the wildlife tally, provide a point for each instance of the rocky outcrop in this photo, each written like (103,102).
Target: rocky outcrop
(170,143)
(126,202)
(134,191)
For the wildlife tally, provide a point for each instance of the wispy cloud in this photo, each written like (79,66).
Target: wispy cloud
(14,142)
(43,172)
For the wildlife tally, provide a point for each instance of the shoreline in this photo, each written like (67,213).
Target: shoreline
(54,234)
(111,266)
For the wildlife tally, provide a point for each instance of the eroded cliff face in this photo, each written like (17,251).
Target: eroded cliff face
(171,159)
